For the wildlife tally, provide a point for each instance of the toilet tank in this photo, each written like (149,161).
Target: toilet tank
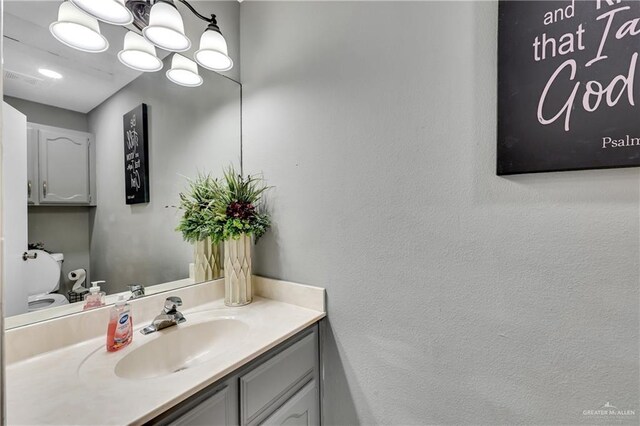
(58,257)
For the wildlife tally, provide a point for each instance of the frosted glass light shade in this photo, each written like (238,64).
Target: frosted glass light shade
(78,30)
(166,29)
(184,71)
(139,54)
(213,53)
(109,11)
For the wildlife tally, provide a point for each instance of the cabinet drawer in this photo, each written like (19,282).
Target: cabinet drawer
(213,411)
(278,377)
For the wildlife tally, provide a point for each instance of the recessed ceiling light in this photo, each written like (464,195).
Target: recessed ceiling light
(50,73)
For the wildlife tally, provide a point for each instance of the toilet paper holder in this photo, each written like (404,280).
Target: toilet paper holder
(26,256)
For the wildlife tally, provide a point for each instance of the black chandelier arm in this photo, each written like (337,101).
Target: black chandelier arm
(141,10)
(211,20)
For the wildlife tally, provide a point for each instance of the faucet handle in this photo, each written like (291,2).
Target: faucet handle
(171,304)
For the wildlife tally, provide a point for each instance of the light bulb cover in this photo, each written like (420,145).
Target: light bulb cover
(166,28)
(184,71)
(213,54)
(76,29)
(139,54)
(110,11)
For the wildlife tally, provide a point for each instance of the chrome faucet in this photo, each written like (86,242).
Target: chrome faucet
(137,291)
(169,316)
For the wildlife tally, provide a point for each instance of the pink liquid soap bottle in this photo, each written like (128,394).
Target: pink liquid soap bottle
(120,330)
(95,298)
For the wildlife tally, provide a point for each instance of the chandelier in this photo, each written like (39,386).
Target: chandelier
(161,26)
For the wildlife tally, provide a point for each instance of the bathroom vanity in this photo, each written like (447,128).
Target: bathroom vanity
(257,364)
(280,387)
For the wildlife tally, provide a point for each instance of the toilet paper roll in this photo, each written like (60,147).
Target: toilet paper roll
(78,276)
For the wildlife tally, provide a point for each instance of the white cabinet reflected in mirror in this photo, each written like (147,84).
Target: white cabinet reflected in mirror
(64,202)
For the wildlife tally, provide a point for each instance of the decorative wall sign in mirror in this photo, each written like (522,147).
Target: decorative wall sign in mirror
(136,155)
(64,165)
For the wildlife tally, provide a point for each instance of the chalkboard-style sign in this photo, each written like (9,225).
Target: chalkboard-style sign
(136,159)
(568,85)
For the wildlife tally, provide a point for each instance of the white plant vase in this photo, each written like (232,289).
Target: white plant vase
(237,271)
(207,260)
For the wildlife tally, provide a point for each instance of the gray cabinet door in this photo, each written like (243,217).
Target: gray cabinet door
(268,384)
(63,166)
(300,410)
(32,165)
(215,410)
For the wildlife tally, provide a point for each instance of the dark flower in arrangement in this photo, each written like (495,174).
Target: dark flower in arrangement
(223,209)
(240,210)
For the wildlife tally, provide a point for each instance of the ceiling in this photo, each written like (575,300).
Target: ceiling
(88,78)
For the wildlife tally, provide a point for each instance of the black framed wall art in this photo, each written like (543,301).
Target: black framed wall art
(136,156)
(568,85)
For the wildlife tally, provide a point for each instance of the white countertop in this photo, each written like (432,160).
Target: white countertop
(77,385)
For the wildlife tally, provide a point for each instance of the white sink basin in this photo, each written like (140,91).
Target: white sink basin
(180,347)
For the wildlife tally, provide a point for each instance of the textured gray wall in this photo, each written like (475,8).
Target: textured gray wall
(190,130)
(63,230)
(49,115)
(454,296)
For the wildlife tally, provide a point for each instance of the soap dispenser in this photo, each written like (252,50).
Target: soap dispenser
(120,329)
(95,298)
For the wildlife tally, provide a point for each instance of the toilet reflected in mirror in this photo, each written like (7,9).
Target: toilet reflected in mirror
(42,272)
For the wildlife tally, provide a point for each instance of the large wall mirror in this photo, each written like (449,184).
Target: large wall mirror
(67,165)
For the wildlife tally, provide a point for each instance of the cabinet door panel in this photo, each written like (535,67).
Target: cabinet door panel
(300,410)
(64,167)
(213,411)
(266,384)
